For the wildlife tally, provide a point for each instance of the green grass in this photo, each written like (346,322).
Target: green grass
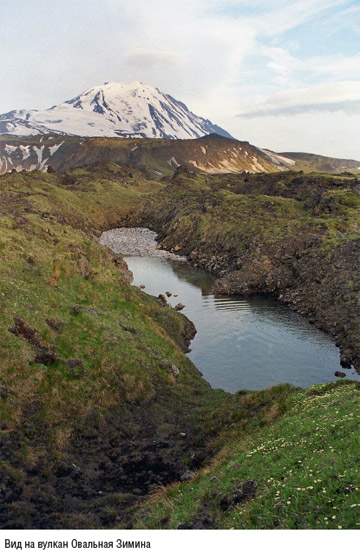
(211,213)
(306,467)
(41,281)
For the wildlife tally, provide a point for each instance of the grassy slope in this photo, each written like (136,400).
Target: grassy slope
(301,472)
(91,411)
(82,349)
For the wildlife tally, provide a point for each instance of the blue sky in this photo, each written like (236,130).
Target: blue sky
(282,75)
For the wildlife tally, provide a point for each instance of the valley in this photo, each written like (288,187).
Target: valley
(101,408)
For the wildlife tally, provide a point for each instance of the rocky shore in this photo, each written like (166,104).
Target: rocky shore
(136,242)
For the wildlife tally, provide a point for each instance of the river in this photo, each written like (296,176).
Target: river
(241,343)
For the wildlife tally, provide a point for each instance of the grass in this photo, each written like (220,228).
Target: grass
(215,215)
(305,467)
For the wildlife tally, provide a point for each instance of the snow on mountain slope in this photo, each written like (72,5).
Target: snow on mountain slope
(33,152)
(126,110)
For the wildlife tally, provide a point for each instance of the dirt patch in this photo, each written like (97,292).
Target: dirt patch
(24,330)
(242,493)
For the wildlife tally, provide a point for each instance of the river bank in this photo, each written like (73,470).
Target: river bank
(99,404)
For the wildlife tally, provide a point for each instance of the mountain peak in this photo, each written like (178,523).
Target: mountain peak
(112,109)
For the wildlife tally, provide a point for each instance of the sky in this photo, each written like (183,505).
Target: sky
(281,75)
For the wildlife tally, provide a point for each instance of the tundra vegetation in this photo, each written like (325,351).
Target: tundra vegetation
(105,422)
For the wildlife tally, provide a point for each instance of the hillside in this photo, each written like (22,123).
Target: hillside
(95,388)
(212,154)
(312,162)
(36,152)
(96,391)
(297,472)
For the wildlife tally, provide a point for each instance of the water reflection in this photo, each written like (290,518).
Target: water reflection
(192,276)
(241,343)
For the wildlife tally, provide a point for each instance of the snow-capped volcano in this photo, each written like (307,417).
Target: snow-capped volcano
(127,110)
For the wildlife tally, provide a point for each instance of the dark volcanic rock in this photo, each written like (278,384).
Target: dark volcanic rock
(187,475)
(54,324)
(75,367)
(322,285)
(162,300)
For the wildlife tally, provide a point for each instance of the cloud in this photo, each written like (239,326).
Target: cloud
(340,67)
(286,15)
(329,97)
(142,58)
(329,134)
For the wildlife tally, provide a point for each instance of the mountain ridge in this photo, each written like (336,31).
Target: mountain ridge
(211,154)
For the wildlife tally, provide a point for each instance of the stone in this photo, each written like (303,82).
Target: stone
(45,355)
(179,306)
(185,526)
(242,493)
(127,328)
(187,475)
(126,274)
(339,374)
(313,393)
(24,330)
(54,324)
(170,367)
(162,300)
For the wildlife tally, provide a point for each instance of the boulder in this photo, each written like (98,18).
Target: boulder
(162,300)
(187,475)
